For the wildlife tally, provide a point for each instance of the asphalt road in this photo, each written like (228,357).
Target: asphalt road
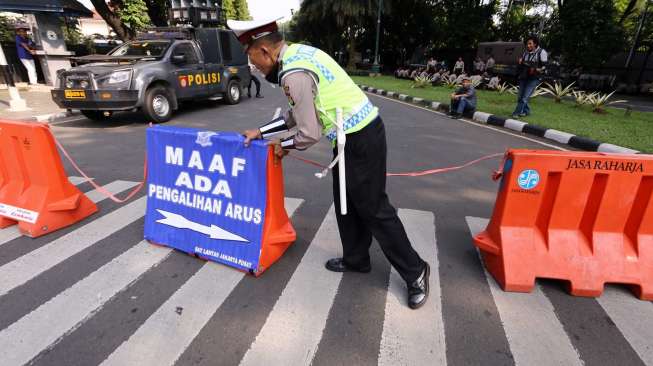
(95,293)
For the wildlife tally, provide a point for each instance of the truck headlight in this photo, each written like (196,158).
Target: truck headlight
(116,80)
(119,77)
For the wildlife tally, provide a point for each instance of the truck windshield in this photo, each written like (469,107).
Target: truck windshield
(142,48)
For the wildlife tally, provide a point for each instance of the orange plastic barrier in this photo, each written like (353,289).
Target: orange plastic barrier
(582,217)
(34,189)
(278,232)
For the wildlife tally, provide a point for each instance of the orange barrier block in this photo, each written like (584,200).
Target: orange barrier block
(586,218)
(278,233)
(34,189)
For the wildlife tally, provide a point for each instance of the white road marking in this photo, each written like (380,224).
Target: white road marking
(12,232)
(32,264)
(478,124)
(152,344)
(633,317)
(295,325)
(534,332)
(415,337)
(43,327)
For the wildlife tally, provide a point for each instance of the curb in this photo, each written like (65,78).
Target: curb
(53,117)
(561,137)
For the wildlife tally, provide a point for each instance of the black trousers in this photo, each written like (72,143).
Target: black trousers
(258,86)
(369,212)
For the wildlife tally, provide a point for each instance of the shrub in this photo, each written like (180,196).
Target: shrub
(420,82)
(580,97)
(599,101)
(557,91)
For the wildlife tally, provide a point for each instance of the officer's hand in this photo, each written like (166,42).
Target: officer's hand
(251,135)
(279,152)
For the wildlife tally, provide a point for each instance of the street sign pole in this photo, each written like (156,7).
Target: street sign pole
(375,67)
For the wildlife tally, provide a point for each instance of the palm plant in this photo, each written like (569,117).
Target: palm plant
(580,97)
(557,91)
(599,101)
(420,82)
(450,82)
(538,91)
(504,88)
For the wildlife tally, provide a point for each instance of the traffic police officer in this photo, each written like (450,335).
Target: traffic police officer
(315,86)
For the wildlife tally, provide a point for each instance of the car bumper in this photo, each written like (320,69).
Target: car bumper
(106,100)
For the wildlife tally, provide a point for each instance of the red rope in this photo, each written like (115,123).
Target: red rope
(99,188)
(413,174)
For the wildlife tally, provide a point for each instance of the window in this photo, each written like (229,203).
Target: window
(187,50)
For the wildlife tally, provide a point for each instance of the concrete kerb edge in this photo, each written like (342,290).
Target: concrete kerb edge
(561,137)
(53,117)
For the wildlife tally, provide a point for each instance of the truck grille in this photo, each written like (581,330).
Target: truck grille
(77,81)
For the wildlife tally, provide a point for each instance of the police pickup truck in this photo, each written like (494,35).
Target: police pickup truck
(155,72)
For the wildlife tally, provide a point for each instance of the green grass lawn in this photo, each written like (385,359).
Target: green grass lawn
(614,126)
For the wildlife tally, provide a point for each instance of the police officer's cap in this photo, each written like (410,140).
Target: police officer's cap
(251,30)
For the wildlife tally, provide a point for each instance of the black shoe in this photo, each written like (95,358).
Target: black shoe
(249,95)
(259,96)
(418,291)
(339,265)
(456,116)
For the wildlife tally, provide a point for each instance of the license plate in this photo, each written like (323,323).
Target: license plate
(74,94)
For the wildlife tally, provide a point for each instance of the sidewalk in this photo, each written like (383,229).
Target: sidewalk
(40,104)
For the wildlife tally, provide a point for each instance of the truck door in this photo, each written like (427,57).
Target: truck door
(191,78)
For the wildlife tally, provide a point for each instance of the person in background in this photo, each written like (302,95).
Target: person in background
(463,99)
(459,66)
(254,79)
(531,67)
(25,49)
(489,65)
(430,65)
(479,66)
(494,82)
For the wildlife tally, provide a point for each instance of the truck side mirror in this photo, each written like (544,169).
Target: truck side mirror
(179,59)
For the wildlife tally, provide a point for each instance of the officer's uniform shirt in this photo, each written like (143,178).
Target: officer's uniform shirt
(300,88)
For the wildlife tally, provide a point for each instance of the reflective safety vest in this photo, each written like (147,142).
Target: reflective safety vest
(335,89)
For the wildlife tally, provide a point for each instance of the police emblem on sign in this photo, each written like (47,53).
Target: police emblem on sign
(528,179)
(204,138)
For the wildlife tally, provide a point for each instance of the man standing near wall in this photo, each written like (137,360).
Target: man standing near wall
(25,49)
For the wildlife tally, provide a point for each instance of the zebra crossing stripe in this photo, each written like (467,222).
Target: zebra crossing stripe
(414,337)
(76,180)
(634,318)
(535,334)
(40,329)
(32,264)
(12,232)
(199,301)
(295,325)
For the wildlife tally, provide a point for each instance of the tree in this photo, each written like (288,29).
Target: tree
(587,32)
(241,10)
(157,10)
(125,17)
(350,18)
(229,9)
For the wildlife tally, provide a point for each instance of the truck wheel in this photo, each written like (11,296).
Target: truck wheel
(232,96)
(158,104)
(97,115)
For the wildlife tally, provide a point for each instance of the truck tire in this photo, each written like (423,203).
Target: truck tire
(96,115)
(158,104)
(233,94)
